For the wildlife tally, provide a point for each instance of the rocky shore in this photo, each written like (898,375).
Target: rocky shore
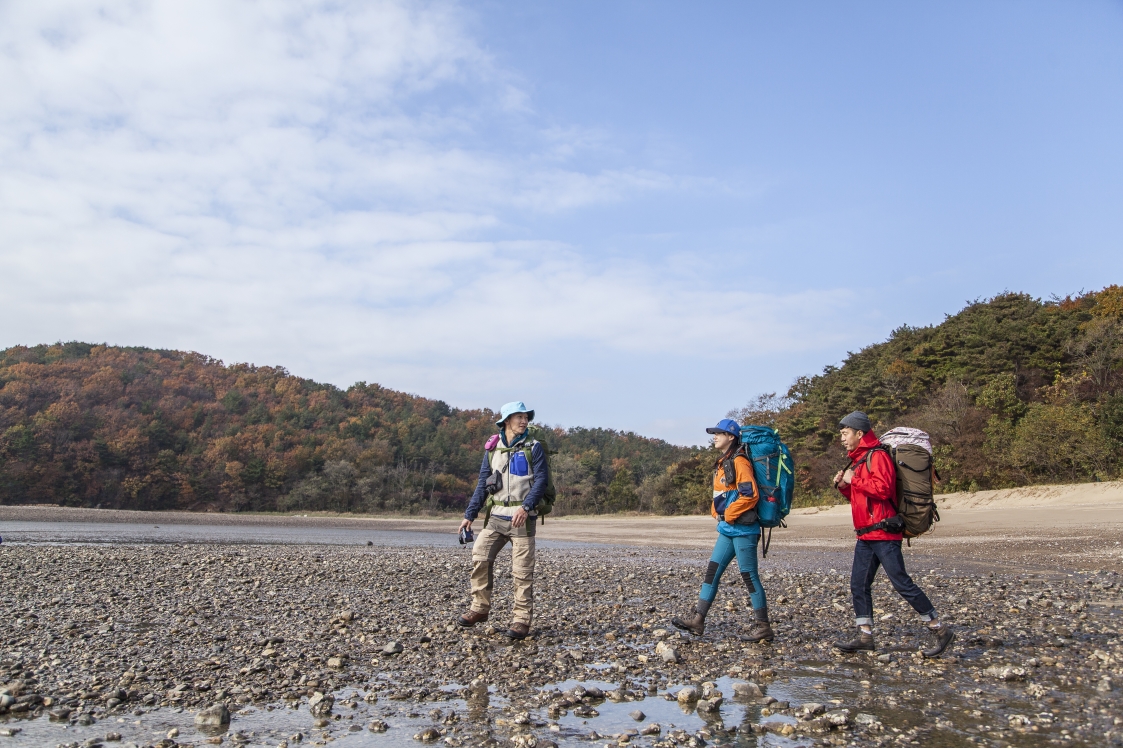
(98,635)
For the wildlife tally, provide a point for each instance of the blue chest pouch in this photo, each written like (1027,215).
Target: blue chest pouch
(519,465)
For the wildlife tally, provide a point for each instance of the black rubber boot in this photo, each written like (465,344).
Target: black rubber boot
(760,628)
(864,641)
(695,624)
(943,636)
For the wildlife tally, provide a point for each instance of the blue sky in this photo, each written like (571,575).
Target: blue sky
(632,215)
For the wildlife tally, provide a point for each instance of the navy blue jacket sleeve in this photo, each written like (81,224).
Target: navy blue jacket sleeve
(479,495)
(541,477)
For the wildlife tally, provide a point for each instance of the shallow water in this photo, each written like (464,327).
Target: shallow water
(961,720)
(29,532)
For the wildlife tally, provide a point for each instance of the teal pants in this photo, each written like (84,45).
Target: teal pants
(725,548)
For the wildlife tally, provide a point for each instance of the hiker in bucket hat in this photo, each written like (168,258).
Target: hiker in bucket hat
(513,480)
(738,533)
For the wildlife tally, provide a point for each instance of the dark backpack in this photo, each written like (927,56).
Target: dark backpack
(916,505)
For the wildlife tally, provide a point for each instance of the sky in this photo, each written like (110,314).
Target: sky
(634,215)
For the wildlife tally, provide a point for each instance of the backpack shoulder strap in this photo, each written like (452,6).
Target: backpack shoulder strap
(871,451)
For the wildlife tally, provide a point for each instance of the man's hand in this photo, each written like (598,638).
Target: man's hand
(518,520)
(837,478)
(465,523)
(848,477)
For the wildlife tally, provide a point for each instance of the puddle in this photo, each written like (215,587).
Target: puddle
(904,710)
(279,724)
(614,718)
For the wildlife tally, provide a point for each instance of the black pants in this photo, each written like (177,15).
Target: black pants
(868,557)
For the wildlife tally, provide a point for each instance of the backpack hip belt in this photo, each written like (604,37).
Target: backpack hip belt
(892,524)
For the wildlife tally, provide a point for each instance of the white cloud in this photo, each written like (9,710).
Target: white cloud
(304,184)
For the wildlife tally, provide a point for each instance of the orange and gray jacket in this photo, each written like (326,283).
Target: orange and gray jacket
(735,491)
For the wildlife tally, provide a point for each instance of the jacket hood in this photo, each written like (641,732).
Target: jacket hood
(869,440)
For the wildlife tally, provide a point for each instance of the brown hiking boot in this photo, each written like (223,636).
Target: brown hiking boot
(518,630)
(696,623)
(864,641)
(471,619)
(760,629)
(943,636)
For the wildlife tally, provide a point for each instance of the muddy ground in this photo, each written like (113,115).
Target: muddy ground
(298,643)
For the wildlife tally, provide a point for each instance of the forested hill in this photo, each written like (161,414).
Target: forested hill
(1013,391)
(137,428)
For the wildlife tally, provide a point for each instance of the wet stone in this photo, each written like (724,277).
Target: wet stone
(214,716)
(427,735)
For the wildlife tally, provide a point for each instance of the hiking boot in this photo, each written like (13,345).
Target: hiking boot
(695,623)
(760,629)
(518,630)
(943,636)
(864,641)
(471,619)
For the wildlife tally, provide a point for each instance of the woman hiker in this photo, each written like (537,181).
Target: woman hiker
(738,532)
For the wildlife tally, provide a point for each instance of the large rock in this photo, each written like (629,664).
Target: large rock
(666,652)
(215,716)
(320,704)
(711,705)
(747,690)
(687,694)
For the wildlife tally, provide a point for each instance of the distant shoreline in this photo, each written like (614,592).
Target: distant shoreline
(1092,493)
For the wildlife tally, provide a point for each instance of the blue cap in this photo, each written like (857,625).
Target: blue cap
(725,426)
(514,407)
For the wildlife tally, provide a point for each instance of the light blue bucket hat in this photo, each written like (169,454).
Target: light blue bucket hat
(514,407)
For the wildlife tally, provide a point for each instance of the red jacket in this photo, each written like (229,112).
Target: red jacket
(872,494)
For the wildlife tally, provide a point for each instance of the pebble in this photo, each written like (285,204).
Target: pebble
(637,715)
(193,650)
(393,648)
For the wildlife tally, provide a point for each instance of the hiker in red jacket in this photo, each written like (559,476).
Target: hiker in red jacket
(870,484)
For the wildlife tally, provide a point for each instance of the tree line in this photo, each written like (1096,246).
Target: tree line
(1014,390)
(137,428)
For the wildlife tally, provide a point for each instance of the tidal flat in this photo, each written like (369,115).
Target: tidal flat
(125,643)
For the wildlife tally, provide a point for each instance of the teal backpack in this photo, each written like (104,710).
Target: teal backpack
(772,469)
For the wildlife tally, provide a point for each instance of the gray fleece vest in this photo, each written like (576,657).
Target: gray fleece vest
(515,488)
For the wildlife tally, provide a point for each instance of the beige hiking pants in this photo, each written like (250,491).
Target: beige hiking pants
(488,544)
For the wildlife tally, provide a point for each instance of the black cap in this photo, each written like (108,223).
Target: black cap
(858,421)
